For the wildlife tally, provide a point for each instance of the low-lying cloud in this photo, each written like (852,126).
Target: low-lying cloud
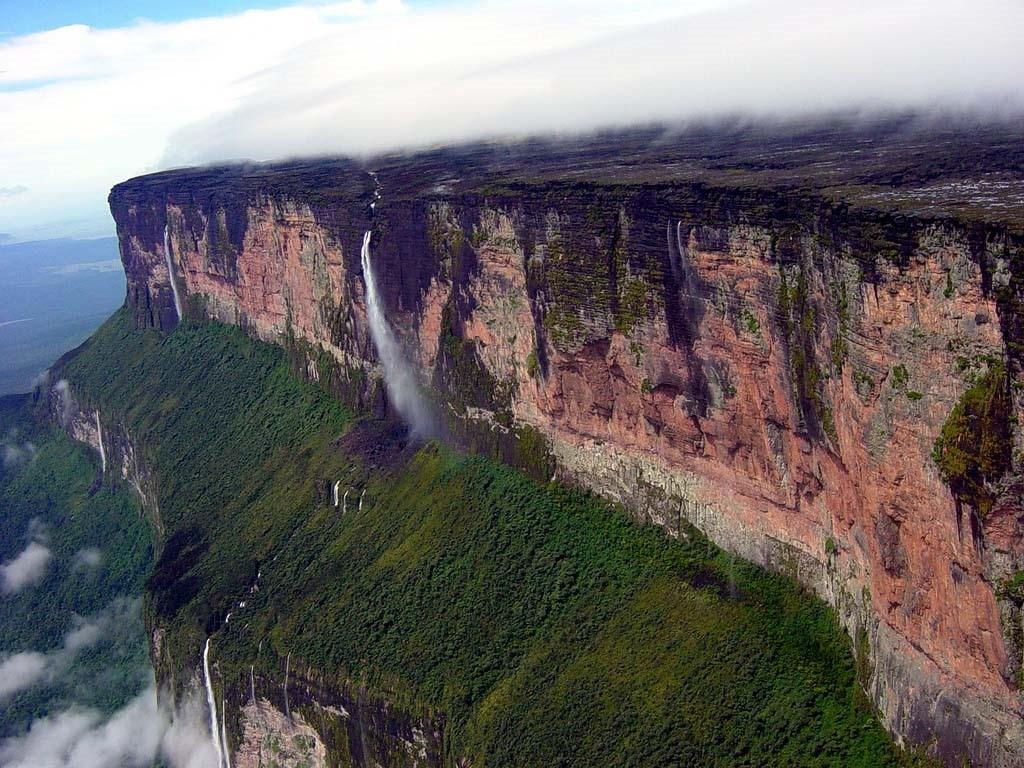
(87,559)
(503,69)
(134,736)
(21,671)
(15,452)
(27,569)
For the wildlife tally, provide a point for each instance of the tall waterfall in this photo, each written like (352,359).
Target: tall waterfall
(398,375)
(99,439)
(211,702)
(224,731)
(170,271)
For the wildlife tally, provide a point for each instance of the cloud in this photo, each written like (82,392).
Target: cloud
(25,670)
(87,559)
(15,454)
(13,191)
(85,108)
(21,671)
(25,570)
(506,69)
(133,737)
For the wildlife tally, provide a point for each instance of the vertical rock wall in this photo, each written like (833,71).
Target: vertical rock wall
(769,368)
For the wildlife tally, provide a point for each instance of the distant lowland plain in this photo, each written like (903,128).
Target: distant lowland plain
(53,295)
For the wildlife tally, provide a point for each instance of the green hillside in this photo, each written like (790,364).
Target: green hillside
(548,627)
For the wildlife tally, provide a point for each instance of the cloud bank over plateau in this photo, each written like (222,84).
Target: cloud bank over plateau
(85,108)
(498,69)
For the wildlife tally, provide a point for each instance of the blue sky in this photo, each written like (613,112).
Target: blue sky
(18,17)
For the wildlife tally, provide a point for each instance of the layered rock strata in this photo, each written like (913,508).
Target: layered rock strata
(768,364)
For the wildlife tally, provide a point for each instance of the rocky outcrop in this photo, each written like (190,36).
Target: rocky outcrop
(766,363)
(120,457)
(322,724)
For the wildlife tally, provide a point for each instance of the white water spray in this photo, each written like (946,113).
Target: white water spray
(99,439)
(170,271)
(287,668)
(224,732)
(211,702)
(398,375)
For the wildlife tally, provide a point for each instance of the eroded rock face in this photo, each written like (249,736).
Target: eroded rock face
(325,725)
(120,458)
(269,737)
(771,369)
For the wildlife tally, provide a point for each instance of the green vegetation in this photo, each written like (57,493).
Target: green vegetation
(549,628)
(50,492)
(596,276)
(839,349)
(974,448)
(750,323)
(532,365)
(225,429)
(900,377)
(1013,588)
(799,317)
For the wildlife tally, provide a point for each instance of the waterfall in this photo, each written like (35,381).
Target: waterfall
(361,500)
(334,494)
(344,502)
(252,683)
(287,667)
(170,271)
(224,731)
(99,438)
(398,375)
(211,702)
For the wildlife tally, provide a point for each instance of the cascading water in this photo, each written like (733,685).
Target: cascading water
(398,375)
(287,669)
(224,732)
(211,702)
(170,271)
(99,439)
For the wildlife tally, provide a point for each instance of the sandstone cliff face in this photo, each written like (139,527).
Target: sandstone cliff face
(770,367)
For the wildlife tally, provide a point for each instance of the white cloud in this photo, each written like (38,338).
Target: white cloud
(21,671)
(134,736)
(25,570)
(359,77)
(88,558)
(25,670)
(16,453)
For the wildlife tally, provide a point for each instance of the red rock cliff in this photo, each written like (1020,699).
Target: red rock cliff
(761,360)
